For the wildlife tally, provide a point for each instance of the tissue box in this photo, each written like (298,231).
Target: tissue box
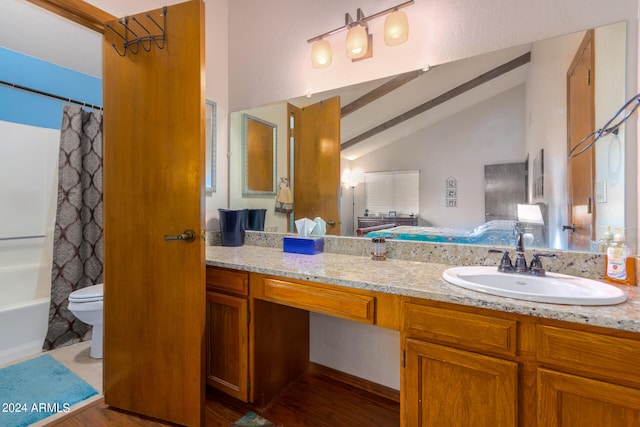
(303,245)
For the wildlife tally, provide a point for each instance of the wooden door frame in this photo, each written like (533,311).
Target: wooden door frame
(77,11)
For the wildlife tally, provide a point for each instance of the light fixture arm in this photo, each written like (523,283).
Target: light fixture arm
(361,19)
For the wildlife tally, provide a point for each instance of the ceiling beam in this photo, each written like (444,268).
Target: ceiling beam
(456,91)
(380,91)
(77,11)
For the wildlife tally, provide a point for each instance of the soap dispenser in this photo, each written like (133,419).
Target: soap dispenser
(620,265)
(605,241)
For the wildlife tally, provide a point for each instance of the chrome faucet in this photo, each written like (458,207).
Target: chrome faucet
(535,268)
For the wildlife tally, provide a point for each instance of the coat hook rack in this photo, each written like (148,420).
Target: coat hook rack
(132,42)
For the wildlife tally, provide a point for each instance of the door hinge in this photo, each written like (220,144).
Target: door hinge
(589,77)
(404,358)
(248,385)
(248,316)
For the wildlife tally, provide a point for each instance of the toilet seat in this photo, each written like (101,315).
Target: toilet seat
(88,294)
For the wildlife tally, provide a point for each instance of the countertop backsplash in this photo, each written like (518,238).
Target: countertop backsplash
(581,264)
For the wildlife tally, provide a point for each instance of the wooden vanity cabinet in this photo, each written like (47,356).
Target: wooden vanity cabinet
(227,354)
(461,365)
(469,366)
(456,368)
(254,348)
(587,378)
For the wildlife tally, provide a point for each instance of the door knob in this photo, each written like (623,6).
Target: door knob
(188,236)
(331,223)
(571,227)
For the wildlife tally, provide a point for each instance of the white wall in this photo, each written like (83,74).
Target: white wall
(29,29)
(217,77)
(546,119)
(610,150)
(490,132)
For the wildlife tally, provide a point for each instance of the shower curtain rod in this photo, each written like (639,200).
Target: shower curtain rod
(50,95)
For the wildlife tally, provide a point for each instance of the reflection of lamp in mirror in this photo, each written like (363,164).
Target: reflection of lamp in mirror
(351,178)
(529,214)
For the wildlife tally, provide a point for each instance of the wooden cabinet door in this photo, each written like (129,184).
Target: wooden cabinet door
(449,387)
(228,344)
(568,400)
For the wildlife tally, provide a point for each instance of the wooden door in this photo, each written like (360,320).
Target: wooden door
(450,387)
(567,400)
(580,123)
(316,164)
(228,344)
(154,290)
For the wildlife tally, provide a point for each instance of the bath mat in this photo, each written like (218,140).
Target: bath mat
(37,388)
(251,419)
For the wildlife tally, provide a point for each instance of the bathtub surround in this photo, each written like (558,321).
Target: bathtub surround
(78,250)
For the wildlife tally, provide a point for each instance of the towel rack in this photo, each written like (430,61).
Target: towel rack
(611,127)
(146,41)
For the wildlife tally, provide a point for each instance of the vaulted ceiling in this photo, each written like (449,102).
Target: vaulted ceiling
(431,96)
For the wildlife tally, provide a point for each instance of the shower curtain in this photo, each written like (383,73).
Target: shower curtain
(77,243)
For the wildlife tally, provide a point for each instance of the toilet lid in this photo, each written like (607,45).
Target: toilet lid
(88,294)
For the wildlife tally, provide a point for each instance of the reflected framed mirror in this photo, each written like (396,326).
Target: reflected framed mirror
(210,147)
(258,156)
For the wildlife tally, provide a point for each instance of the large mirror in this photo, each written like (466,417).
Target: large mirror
(466,120)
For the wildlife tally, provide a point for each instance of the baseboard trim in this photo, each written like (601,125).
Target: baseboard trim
(378,389)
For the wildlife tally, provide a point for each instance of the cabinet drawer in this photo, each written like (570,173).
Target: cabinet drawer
(333,302)
(473,331)
(233,282)
(608,357)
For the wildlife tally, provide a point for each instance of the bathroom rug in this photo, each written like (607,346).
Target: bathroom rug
(37,388)
(251,419)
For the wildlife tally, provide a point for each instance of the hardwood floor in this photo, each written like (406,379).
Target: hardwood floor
(320,398)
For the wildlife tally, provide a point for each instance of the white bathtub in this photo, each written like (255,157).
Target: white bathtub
(24,316)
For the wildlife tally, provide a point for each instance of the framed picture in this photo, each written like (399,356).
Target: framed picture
(392,213)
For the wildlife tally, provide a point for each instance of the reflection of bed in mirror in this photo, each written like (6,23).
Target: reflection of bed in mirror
(495,233)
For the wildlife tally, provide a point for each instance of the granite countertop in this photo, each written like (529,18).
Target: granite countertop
(414,279)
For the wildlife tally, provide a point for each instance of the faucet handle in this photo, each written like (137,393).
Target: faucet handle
(536,263)
(505,263)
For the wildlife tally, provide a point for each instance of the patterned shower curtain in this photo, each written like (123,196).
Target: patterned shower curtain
(77,244)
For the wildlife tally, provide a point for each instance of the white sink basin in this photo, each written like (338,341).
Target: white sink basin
(553,288)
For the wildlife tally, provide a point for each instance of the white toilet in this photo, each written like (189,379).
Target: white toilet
(86,305)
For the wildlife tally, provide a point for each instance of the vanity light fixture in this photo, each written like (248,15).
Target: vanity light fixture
(359,42)
(396,28)
(321,54)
